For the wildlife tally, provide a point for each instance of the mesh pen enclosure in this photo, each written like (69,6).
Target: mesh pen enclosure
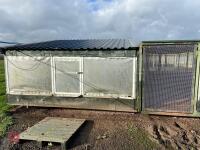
(168,77)
(161,78)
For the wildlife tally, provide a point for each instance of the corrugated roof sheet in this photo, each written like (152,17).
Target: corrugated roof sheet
(76,44)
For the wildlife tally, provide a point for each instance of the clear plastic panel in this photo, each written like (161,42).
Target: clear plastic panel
(67,65)
(106,76)
(67,79)
(29,74)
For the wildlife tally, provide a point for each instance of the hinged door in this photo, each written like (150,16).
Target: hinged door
(68,76)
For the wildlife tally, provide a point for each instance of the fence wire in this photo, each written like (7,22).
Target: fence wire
(168,77)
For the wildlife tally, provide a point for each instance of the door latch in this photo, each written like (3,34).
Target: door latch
(79,72)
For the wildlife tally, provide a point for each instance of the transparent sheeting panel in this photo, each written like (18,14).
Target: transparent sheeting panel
(67,65)
(107,76)
(67,79)
(29,74)
(168,78)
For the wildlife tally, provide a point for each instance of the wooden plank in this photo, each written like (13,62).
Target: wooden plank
(52,129)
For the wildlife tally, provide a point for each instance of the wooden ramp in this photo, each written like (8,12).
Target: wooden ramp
(52,129)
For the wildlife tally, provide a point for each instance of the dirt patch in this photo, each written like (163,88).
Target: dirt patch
(111,130)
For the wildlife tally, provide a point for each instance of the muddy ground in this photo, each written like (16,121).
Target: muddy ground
(110,130)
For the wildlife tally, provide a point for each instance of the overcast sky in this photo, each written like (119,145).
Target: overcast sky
(42,20)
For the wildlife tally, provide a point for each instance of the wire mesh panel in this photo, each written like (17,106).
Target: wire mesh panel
(168,78)
(110,77)
(29,75)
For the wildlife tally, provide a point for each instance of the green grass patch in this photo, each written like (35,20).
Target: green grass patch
(1,66)
(2,99)
(2,70)
(5,120)
(141,138)
(2,78)
(2,88)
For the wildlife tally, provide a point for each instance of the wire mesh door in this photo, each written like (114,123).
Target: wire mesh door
(168,78)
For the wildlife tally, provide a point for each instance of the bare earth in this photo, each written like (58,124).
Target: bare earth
(111,130)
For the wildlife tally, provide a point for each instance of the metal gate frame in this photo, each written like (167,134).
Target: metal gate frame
(195,84)
(66,94)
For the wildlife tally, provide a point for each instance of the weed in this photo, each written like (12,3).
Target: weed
(141,137)
(5,120)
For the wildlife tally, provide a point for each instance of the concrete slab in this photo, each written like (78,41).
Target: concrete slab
(52,129)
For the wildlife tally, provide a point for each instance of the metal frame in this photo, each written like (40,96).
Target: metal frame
(196,89)
(6,74)
(52,75)
(134,86)
(68,94)
(138,103)
(196,78)
(195,82)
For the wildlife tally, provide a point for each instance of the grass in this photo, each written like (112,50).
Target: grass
(5,120)
(141,138)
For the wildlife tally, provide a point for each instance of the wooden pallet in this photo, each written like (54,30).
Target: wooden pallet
(52,129)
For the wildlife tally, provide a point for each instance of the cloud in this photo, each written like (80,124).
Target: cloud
(42,20)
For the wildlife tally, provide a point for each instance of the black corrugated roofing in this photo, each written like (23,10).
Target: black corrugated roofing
(76,44)
(170,42)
